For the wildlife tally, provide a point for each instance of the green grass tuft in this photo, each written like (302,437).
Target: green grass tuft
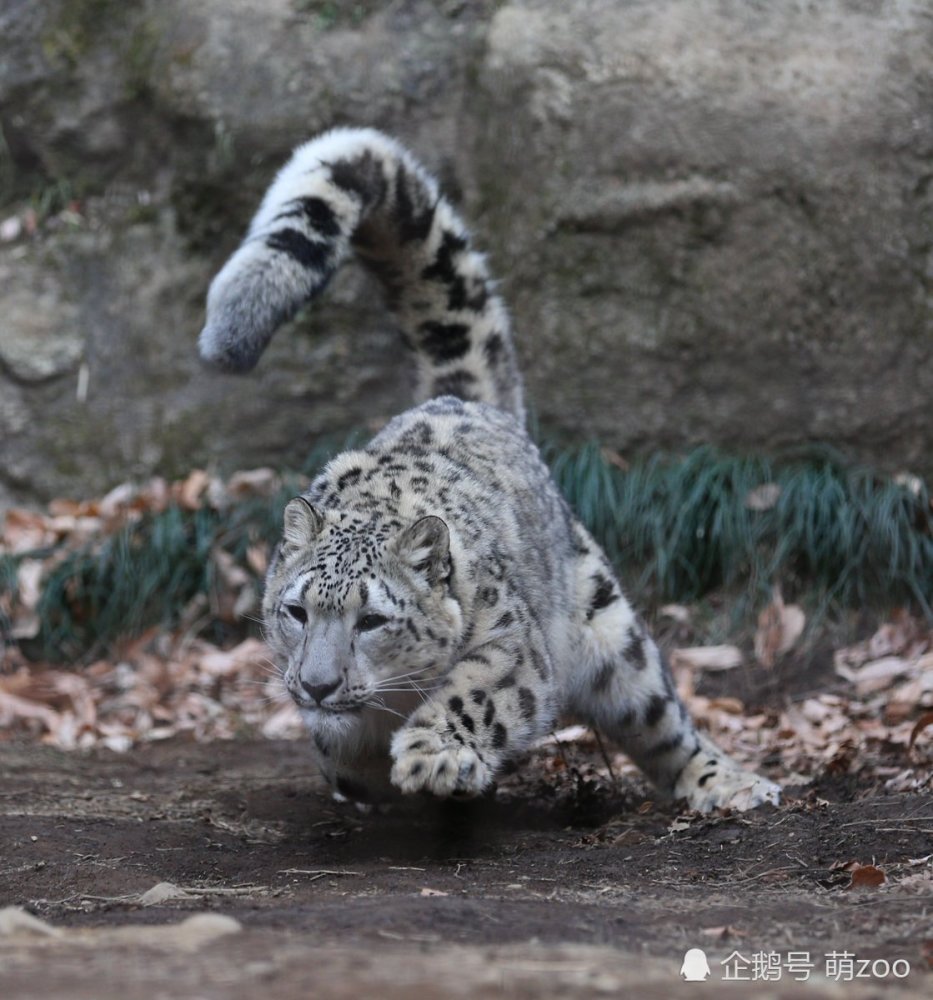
(146,573)
(681,528)
(8,592)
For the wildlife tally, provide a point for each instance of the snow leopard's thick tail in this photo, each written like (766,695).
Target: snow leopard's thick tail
(357,190)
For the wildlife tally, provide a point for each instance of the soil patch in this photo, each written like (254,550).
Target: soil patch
(553,886)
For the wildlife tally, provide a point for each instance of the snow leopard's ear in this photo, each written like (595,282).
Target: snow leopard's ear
(302,524)
(425,547)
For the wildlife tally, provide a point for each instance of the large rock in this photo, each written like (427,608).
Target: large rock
(712,220)
(729,233)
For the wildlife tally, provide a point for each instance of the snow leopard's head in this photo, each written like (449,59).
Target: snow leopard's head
(359,614)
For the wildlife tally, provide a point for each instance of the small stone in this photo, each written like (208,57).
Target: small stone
(10,229)
(36,342)
(162,892)
(15,921)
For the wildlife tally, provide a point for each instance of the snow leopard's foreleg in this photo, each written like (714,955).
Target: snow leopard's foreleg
(624,688)
(492,705)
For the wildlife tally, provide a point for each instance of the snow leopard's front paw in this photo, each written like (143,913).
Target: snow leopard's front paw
(425,761)
(714,781)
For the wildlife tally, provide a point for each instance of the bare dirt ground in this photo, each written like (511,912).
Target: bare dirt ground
(559,885)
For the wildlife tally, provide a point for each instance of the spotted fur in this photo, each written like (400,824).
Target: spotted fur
(434,604)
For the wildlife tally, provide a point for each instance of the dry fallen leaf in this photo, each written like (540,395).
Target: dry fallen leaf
(189,492)
(218,662)
(763,497)
(903,636)
(874,675)
(866,877)
(24,530)
(433,892)
(709,658)
(257,558)
(14,709)
(237,594)
(118,500)
(628,837)
(925,720)
(680,613)
(841,757)
(780,625)
(569,734)
(253,482)
(614,458)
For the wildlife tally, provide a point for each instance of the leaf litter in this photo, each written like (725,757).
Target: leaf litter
(166,683)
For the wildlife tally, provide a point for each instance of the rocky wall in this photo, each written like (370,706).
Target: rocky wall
(711,218)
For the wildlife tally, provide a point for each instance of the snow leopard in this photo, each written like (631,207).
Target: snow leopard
(434,604)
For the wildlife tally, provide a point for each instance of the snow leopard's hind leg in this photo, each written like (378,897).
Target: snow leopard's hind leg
(623,686)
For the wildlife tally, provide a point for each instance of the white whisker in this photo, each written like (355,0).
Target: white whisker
(406,687)
(424,691)
(402,677)
(381,706)
(266,683)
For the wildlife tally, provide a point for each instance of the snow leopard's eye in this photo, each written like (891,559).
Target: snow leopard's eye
(369,622)
(297,612)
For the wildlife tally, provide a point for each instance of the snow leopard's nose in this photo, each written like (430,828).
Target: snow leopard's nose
(320,691)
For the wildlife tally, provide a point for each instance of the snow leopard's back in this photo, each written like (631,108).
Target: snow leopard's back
(468,462)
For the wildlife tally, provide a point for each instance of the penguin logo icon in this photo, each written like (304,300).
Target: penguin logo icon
(695,968)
